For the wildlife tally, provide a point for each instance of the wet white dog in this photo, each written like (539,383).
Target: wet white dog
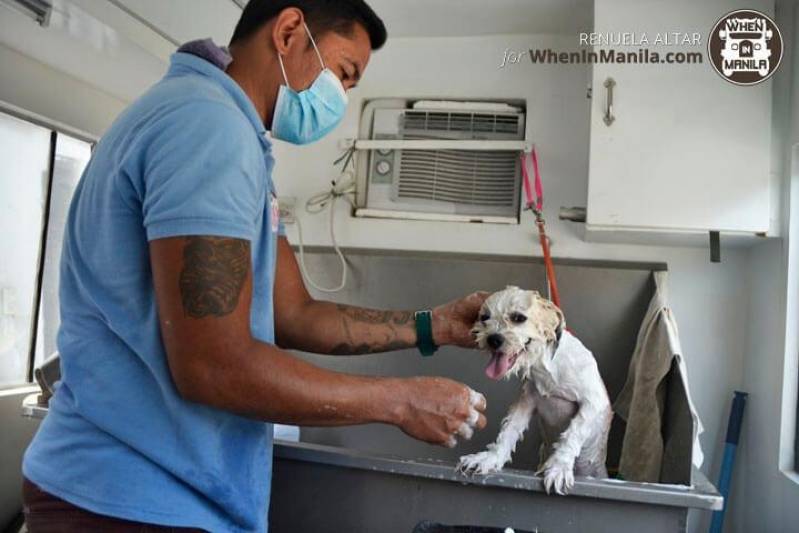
(527,337)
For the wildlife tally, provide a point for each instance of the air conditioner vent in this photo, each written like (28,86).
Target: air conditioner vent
(462,176)
(439,121)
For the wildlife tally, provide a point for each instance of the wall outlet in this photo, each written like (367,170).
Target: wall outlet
(288,205)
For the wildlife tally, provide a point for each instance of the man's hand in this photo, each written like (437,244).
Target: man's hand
(453,322)
(437,410)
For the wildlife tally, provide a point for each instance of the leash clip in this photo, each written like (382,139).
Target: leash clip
(537,213)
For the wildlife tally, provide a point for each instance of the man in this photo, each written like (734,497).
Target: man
(179,295)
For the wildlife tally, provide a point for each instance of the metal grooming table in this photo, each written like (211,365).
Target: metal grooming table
(329,489)
(374,478)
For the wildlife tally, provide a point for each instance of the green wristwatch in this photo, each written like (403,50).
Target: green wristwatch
(424,332)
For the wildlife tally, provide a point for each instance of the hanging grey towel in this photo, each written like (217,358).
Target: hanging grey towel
(642,401)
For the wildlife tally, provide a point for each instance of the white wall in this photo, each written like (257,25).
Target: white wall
(764,498)
(766,492)
(710,300)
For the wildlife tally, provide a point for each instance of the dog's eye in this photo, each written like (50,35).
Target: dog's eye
(517,318)
(484,317)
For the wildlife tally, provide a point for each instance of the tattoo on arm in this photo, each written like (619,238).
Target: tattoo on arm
(370,331)
(214,271)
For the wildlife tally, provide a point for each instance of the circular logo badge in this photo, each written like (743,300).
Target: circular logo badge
(745,47)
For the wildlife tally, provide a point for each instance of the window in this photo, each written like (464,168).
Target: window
(71,157)
(25,152)
(39,172)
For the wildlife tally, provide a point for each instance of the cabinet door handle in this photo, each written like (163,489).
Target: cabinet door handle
(610,83)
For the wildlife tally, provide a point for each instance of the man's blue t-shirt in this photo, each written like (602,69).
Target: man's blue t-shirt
(190,157)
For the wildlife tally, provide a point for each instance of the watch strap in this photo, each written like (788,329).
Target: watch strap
(424,332)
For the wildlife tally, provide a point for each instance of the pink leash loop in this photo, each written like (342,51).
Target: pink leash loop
(532,202)
(539,186)
(528,191)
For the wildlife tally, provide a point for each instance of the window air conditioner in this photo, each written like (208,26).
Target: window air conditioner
(468,171)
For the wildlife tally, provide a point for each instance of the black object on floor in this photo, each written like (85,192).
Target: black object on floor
(16,524)
(432,527)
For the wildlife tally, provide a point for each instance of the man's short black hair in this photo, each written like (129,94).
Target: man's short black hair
(320,15)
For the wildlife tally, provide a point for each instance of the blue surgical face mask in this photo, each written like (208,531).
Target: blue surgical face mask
(306,116)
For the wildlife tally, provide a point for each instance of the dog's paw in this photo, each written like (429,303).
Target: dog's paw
(558,475)
(483,463)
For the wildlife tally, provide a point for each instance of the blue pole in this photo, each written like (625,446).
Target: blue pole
(730,446)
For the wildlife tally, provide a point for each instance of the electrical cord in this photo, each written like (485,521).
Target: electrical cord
(344,187)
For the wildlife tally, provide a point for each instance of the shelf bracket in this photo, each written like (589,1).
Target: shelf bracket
(715,247)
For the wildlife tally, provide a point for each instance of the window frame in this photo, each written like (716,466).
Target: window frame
(37,299)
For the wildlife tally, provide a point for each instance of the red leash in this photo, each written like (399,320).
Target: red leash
(536,205)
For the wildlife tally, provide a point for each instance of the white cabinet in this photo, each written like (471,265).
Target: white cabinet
(688,151)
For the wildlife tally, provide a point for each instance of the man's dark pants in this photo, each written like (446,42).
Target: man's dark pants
(44,513)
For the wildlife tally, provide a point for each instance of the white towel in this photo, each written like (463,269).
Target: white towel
(641,401)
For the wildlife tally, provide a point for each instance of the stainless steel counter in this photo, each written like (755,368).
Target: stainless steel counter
(375,478)
(703,495)
(329,489)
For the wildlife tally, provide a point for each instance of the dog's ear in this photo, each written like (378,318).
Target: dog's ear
(512,288)
(561,322)
(551,321)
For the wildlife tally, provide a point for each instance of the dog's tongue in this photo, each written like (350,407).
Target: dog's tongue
(498,365)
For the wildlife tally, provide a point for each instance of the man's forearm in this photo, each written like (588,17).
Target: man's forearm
(338,329)
(263,382)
